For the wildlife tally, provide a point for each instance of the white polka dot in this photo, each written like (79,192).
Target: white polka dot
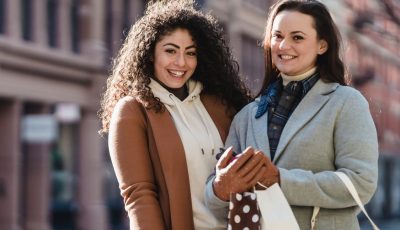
(246,228)
(246,209)
(253,196)
(238,197)
(254,218)
(237,219)
(231,205)
(229,227)
(229,215)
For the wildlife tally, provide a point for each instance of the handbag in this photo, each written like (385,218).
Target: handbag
(276,213)
(262,209)
(243,212)
(352,190)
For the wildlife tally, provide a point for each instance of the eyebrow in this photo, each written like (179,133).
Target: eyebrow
(293,32)
(176,46)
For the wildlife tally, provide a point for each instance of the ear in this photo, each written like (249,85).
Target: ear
(323,46)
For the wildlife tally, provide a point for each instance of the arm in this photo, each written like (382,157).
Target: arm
(128,145)
(356,154)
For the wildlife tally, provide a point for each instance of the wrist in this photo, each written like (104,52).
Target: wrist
(219,191)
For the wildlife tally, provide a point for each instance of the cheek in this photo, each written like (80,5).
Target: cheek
(274,46)
(193,64)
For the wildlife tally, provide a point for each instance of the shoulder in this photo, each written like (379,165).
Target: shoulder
(214,103)
(350,95)
(127,107)
(247,112)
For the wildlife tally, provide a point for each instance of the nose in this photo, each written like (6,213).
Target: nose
(180,60)
(284,44)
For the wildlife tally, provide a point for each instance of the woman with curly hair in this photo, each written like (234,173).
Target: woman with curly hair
(167,109)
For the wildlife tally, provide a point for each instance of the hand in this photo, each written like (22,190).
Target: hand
(240,175)
(271,174)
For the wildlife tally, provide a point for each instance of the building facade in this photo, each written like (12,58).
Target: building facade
(55,55)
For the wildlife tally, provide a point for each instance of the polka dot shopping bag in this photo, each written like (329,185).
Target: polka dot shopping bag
(243,212)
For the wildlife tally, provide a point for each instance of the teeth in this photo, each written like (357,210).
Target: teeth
(287,57)
(177,73)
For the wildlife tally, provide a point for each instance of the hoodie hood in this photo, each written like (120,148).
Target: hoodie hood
(168,98)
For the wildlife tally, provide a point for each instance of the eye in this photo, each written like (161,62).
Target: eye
(277,36)
(192,53)
(170,51)
(298,37)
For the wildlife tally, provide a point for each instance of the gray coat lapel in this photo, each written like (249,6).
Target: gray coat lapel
(259,135)
(315,99)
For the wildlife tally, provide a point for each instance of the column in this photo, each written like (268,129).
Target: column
(10,158)
(37,183)
(65,25)
(93,39)
(40,22)
(13,18)
(92,210)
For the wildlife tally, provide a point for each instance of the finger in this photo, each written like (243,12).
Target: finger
(250,164)
(259,175)
(251,174)
(242,158)
(262,155)
(226,156)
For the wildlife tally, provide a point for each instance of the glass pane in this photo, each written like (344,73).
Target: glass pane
(26,19)
(2,16)
(52,21)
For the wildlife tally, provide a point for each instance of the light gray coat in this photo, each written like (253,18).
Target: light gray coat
(330,130)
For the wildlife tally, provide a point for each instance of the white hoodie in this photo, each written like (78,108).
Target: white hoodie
(201,141)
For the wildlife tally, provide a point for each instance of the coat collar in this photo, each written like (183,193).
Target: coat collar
(309,106)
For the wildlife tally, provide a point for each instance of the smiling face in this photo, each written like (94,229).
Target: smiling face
(294,43)
(175,59)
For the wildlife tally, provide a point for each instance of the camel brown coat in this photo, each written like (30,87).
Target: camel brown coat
(150,163)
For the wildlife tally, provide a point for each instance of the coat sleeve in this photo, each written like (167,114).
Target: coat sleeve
(355,153)
(128,146)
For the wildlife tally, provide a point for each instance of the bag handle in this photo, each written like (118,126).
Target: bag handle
(345,179)
(350,187)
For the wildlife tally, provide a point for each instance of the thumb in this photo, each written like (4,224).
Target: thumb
(224,160)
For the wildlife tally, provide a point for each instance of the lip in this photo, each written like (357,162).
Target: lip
(176,73)
(286,57)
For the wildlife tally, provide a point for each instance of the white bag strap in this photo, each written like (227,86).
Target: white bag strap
(314,217)
(355,196)
(350,187)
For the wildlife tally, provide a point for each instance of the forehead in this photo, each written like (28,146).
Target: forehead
(288,21)
(178,35)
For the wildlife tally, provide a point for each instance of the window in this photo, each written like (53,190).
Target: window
(253,67)
(2,16)
(52,22)
(75,25)
(26,19)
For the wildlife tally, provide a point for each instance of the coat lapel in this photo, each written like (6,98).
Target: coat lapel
(260,127)
(174,167)
(309,106)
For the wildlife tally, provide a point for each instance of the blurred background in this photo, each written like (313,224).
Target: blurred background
(55,56)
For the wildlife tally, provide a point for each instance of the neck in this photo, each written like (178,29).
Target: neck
(288,78)
(180,93)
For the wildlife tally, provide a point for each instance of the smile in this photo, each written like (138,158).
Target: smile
(176,73)
(286,57)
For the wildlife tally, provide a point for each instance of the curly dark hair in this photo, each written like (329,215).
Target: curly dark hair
(132,69)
